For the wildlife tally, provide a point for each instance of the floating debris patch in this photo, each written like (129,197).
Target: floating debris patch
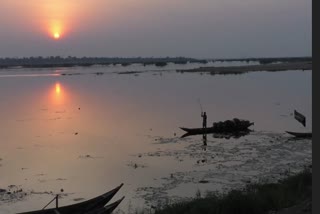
(12,194)
(161,140)
(89,157)
(136,165)
(228,164)
(61,179)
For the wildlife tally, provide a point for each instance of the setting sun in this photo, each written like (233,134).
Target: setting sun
(56,29)
(56,35)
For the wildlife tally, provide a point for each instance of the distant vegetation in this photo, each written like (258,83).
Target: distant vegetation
(254,198)
(269,60)
(57,61)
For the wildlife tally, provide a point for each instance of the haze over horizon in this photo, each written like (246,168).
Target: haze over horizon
(157,28)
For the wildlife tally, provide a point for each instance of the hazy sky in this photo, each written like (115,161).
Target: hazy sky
(124,28)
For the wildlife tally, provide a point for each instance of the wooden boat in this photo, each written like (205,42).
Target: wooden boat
(301,134)
(225,135)
(92,206)
(225,127)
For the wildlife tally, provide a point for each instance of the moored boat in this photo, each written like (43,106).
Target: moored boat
(228,126)
(92,206)
(301,134)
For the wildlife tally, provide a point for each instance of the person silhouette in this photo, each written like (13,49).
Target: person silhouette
(204,119)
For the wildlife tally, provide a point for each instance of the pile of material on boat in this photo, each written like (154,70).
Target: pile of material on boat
(234,125)
(93,206)
(224,127)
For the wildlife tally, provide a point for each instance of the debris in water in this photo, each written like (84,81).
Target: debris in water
(12,194)
(61,179)
(88,156)
(85,156)
(233,164)
(135,165)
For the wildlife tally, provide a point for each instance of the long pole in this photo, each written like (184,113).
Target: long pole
(200,105)
(55,198)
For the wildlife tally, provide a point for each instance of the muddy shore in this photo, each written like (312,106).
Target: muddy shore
(283,66)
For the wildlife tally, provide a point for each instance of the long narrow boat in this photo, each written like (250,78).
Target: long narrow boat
(226,135)
(82,207)
(195,131)
(301,134)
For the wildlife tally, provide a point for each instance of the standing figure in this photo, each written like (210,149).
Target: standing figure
(204,119)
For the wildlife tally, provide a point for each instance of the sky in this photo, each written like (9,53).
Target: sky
(156,28)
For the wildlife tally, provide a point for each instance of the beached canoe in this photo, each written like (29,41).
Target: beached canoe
(301,134)
(92,206)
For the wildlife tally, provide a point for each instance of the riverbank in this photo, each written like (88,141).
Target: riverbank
(59,62)
(282,66)
(290,195)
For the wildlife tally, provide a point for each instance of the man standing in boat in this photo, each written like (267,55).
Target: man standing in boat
(204,119)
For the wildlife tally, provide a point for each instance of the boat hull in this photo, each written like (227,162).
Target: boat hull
(84,207)
(209,130)
(301,134)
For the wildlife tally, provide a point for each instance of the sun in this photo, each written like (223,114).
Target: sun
(56,36)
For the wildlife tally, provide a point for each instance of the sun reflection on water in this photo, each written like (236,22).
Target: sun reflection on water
(58,88)
(58,94)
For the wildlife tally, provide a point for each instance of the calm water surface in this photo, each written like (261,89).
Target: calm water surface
(88,133)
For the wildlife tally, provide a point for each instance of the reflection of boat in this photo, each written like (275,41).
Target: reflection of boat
(232,135)
(92,206)
(301,134)
(227,127)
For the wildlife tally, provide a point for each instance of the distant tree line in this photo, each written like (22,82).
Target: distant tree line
(269,60)
(57,61)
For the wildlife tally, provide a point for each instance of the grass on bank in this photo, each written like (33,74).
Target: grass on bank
(254,198)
